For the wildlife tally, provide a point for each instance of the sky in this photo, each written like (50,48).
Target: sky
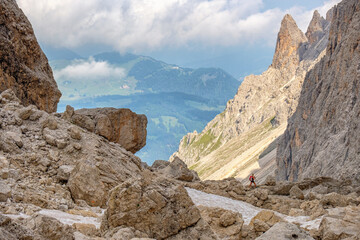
(236,35)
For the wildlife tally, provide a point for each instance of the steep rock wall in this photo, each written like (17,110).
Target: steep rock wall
(24,68)
(322,137)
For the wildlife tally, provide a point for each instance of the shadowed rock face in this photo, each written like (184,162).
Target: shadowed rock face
(316,28)
(23,66)
(117,125)
(322,137)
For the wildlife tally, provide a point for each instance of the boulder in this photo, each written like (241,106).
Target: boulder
(63,172)
(313,208)
(261,194)
(177,169)
(295,192)
(117,125)
(11,230)
(24,66)
(341,223)
(270,180)
(154,206)
(159,164)
(50,228)
(225,223)
(229,187)
(5,192)
(334,200)
(285,231)
(266,216)
(283,188)
(126,233)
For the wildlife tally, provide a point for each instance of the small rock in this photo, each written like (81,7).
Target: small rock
(63,172)
(5,192)
(270,181)
(75,133)
(25,113)
(61,143)
(4,163)
(69,112)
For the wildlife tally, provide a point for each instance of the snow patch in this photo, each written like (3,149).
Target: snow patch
(247,210)
(70,219)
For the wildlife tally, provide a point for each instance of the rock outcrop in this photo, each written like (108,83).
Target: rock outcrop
(231,143)
(322,135)
(117,125)
(176,169)
(48,154)
(288,43)
(156,207)
(24,68)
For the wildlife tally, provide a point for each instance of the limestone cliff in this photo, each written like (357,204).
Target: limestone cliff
(259,111)
(322,137)
(23,66)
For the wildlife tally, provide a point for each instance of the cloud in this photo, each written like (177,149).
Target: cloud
(136,25)
(89,70)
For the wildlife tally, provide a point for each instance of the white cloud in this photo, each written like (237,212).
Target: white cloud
(89,70)
(150,24)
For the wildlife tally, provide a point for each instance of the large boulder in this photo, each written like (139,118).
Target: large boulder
(155,206)
(341,223)
(285,231)
(24,68)
(50,228)
(117,125)
(176,169)
(225,223)
(267,217)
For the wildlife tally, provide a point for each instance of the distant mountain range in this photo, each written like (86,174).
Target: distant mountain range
(176,100)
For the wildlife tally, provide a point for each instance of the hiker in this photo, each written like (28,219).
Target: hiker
(252,180)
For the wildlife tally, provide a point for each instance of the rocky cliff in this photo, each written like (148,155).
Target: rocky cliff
(23,66)
(322,135)
(117,125)
(258,113)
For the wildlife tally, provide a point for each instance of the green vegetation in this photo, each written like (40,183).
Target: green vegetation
(204,141)
(176,100)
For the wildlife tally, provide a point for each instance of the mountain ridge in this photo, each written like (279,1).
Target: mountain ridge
(261,105)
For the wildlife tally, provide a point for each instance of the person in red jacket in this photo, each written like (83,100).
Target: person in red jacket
(252,179)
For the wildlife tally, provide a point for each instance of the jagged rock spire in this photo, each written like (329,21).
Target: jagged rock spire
(316,28)
(290,38)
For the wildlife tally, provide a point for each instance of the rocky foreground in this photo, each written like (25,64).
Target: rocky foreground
(60,181)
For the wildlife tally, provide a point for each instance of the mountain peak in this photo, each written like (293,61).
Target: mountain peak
(316,28)
(290,37)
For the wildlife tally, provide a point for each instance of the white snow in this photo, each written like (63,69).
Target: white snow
(70,219)
(63,217)
(247,210)
(16,216)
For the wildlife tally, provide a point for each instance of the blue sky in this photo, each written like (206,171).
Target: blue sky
(236,35)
